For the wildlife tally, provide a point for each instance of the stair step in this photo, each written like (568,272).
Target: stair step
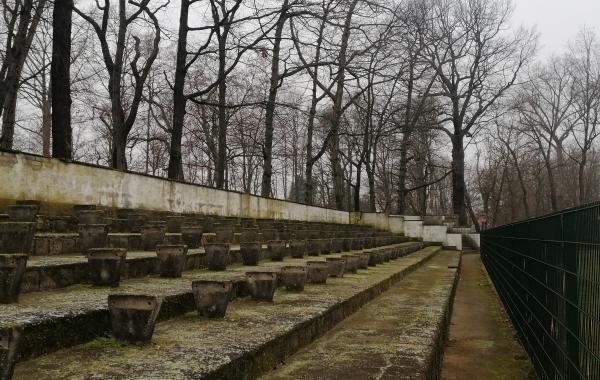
(399,335)
(251,338)
(64,317)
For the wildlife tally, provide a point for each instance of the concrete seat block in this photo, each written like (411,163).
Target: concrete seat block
(129,241)
(293,277)
(16,237)
(22,213)
(171,259)
(105,266)
(12,269)
(133,317)
(261,285)
(212,297)
(9,349)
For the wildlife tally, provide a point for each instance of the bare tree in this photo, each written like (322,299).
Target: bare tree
(60,79)
(22,18)
(122,120)
(476,62)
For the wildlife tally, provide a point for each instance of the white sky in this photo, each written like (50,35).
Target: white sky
(557,21)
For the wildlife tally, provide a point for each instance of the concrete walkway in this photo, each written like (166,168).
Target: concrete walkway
(482,343)
(399,335)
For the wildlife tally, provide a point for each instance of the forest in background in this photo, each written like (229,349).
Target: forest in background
(402,106)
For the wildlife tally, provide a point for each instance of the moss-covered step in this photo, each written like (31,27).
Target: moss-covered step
(53,272)
(63,317)
(251,339)
(399,335)
(59,271)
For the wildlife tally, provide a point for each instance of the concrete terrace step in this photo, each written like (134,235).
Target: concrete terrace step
(52,272)
(399,335)
(64,317)
(251,339)
(59,271)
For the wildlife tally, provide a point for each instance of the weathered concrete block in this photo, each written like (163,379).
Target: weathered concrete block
(212,297)
(129,241)
(136,221)
(261,285)
(435,234)
(171,259)
(276,249)
(317,271)
(293,277)
(250,252)
(224,234)
(174,223)
(217,256)
(297,248)
(373,258)
(336,245)
(105,266)
(92,236)
(346,244)
(313,247)
(357,244)
(133,317)
(83,207)
(249,234)
(454,240)
(10,338)
(12,269)
(325,246)
(173,239)
(16,237)
(337,266)
(191,236)
(91,217)
(363,260)
(351,263)
(269,234)
(152,235)
(22,213)
(209,238)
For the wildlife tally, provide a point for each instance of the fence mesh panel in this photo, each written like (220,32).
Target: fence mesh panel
(547,273)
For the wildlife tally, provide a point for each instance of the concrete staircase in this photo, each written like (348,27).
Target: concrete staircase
(56,320)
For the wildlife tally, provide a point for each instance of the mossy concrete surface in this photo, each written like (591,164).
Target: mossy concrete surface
(399,335)
(482,343)
(252,338)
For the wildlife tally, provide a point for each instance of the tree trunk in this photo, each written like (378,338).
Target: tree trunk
(12,67)
(47,128)
(402,174)
(581,177)
(270,106)
(221,162)
(458,179)
(60,84)
(8,117)
(357,189)
(179,99)
(337,172)
(119,135)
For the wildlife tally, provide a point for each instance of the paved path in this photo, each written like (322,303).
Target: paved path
(482,343)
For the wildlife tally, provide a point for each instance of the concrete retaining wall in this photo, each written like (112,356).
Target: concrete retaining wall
(435,233)
(59,185)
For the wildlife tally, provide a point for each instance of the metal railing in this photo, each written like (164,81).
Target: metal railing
(546,271)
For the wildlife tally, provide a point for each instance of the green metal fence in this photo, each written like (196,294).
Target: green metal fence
(547,273)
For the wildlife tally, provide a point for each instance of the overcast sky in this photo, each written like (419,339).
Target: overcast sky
(557,21)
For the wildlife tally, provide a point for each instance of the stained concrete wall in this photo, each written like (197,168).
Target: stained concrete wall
(59,185)
(435,233)
(381,221)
